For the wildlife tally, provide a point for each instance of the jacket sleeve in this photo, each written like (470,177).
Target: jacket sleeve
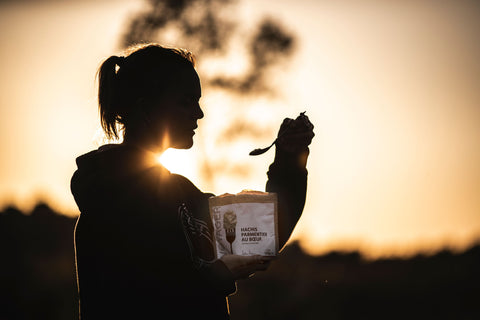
(287,176)
(216,272)
(219,277)
(199,232)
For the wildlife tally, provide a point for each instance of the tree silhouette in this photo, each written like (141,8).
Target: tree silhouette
(37,268)
(207,27)
(37,279)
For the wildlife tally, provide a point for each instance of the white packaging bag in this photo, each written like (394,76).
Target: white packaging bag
(245,223)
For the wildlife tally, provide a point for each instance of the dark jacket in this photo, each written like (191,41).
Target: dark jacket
(143,240)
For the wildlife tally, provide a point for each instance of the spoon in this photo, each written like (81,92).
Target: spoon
(260,151)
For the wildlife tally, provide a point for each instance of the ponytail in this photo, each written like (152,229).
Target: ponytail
(107,92)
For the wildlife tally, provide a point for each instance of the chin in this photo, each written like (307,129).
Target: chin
(183,144)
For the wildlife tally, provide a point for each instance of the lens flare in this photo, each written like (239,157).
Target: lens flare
(177,161)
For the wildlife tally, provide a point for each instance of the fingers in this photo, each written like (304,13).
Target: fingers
(305,121)
(295,134)
(262,262)
(295,142)
(302,138)
(286,125)
(244,266)
(255,263)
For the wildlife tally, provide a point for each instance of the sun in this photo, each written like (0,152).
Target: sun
(178,161)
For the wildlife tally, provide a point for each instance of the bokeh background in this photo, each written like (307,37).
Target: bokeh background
(392,87)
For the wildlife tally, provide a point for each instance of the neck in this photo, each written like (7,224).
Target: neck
(145,142)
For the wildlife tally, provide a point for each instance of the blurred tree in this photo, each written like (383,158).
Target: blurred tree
(232,57)
(37,279)
(208,27)
(37,265)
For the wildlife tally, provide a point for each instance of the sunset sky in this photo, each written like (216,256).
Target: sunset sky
(392,87)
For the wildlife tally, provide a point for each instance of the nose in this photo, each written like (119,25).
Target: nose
(198,113)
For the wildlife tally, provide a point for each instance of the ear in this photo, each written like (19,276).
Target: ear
(140,114)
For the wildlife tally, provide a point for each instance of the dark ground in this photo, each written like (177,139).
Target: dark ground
(37,279)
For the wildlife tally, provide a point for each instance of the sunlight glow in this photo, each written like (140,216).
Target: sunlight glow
(177,161)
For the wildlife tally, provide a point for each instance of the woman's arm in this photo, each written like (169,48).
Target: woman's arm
(287,175)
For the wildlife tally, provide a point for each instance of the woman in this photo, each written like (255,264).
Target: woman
(132,256)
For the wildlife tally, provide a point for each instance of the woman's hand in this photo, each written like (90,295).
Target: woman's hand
(296,135)
(244,266)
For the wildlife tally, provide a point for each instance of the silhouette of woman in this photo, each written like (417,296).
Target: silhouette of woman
(143,241)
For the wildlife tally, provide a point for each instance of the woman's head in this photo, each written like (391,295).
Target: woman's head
(152,92)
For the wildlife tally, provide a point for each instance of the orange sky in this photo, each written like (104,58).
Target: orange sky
(391,86)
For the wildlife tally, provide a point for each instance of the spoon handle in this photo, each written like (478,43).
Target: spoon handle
(260,151)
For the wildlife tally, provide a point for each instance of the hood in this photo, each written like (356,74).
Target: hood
(101,171)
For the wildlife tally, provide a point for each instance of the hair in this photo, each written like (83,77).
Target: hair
(126,83)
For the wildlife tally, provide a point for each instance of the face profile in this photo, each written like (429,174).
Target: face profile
(175,113)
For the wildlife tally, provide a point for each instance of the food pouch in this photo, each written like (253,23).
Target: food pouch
(245,223)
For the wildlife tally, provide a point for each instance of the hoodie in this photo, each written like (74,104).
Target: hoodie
(143,240)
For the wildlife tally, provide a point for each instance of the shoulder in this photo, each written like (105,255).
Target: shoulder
(189,187)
